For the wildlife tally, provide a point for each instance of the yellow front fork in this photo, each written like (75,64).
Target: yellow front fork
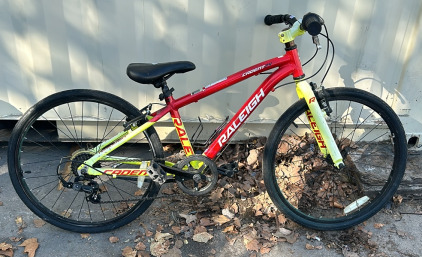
(318,124)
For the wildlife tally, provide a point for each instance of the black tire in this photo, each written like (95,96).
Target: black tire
(39,158)
(307,188)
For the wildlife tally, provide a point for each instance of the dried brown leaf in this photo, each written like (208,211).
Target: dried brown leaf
(85,235)
(66,213)
(234,208)
(148,233)
(378,225)
(226,212)
(128,252)
(252,245)
(39,223)
(31,245)
(309,247)
(206,222)
(176,229)
(173,252)
(159,228)
(397,199)
(139,192)
(229,229)
(282,219)
(6,250)
(15,239)
(337,205)
(103,188)
(292,238)
(220,219)
(217,194)
(19,221)
(140,246)
(202,237)
(188,217)
(113,239)
(199,229)
(159,248)
(265,250)
(231,240)
(4,246)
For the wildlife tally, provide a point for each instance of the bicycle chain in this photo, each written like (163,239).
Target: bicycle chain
(143,199)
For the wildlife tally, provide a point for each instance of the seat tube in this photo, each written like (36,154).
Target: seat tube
(180,128)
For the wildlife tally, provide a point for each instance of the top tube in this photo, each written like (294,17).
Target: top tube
(289,63)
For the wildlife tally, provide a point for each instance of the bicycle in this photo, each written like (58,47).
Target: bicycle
(333,159)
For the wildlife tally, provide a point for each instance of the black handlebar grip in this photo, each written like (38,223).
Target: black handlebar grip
(273,19)
(312,23)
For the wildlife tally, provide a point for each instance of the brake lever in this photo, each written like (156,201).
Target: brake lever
(315,40)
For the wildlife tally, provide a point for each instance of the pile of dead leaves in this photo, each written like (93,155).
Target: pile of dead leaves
(238,206)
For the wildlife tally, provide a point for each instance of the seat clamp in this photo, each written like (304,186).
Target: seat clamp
(166,93)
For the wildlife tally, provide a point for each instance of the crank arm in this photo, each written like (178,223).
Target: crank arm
(175,171)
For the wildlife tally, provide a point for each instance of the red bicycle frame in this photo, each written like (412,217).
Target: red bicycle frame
(288,64)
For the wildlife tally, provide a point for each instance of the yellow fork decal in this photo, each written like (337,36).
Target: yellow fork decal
(319,126)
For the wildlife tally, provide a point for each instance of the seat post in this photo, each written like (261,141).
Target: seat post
(166,91)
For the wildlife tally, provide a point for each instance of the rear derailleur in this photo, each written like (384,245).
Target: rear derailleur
(91,188)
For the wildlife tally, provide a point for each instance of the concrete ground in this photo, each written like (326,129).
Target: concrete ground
(394,231)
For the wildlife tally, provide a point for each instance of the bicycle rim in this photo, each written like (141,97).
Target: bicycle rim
(309,189)
(52,140)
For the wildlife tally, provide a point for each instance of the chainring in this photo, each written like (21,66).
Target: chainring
(205,175)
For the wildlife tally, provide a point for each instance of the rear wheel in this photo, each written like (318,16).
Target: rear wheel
(309,189)
(53,138)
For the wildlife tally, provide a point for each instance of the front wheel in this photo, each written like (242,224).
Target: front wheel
(58,134)
(309,189)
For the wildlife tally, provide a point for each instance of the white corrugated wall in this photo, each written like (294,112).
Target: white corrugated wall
(49,46)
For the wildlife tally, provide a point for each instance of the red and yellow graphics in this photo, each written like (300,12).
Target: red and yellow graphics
(183,136)
(317,133)
(126,172)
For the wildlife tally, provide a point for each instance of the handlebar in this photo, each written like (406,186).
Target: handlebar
(311,22)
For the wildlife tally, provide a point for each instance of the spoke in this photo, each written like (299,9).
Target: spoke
(48,183)
(82,124)
(119,190)
(359,127)
(104,183)
(37,177)
(71,203)
(64,124)
(62,191)
(73,122)
(105,129)
(344,125)
(360,113)
(46,139)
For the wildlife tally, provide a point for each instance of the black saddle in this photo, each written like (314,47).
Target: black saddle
(149,73)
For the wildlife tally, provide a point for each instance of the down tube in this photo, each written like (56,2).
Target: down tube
(246,110)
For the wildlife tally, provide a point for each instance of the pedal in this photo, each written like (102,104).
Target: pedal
(156,173)
(228,169)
